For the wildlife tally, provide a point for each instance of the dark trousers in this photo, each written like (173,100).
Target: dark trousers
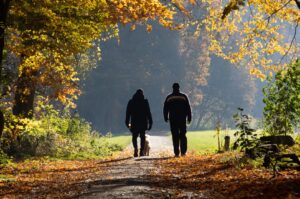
(135,135)
(178,130)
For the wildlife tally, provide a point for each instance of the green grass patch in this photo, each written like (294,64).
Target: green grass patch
(121,140)
(207,141)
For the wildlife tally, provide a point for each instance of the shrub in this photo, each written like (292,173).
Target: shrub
(246,136)
(282,107)
(4,158)
(55,134)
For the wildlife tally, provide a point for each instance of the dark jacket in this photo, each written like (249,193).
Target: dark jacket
(177,108)
(138,113)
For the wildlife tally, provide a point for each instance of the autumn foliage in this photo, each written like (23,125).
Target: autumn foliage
(48,38)
(49,45)
(217,176)
(212,176)
(258,34)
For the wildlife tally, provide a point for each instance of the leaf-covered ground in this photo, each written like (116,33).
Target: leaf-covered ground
(46,178)
(210,176)
(198,176)
(158,176)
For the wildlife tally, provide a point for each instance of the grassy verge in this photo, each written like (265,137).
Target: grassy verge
(207,141)
(121,140)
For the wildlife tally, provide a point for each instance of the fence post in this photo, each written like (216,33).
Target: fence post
(227,143)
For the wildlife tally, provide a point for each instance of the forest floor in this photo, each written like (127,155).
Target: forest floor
(159,175)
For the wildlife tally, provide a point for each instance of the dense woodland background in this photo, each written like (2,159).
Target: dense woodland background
(153,61)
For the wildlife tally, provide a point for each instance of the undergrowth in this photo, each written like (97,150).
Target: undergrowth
(53,134)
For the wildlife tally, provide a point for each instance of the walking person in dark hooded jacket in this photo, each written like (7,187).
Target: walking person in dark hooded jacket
(138,119)
(177,111)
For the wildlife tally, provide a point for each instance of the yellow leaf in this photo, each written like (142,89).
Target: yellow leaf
(193,2)
(149,28)
(132,28)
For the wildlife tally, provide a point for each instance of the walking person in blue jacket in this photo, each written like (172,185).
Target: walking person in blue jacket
(138,119)
(177,111)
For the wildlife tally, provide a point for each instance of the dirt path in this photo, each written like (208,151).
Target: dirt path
(129,178)
(157,176)
(160,145)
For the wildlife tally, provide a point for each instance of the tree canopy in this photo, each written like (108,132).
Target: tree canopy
(50,37)
(258,34)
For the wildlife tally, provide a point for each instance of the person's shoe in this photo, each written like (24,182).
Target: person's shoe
(176,156)
(183,154)
(135,153)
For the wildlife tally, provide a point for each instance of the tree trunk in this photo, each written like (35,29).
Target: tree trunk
(199,121)
(1,123)
(24,96)
(4,5)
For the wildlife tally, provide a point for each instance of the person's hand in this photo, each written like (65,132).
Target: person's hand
(189,121)
(128,126)
(166,120)
(149,128)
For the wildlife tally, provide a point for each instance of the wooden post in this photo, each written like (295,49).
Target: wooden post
(227,143)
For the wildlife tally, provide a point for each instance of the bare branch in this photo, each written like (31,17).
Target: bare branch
(294,37)
(276,11)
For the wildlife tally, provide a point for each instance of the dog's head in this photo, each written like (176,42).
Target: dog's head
(147,136)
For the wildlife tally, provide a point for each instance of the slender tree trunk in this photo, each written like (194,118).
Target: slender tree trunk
(199,120)
(4,6)
(1,123)
(24,96)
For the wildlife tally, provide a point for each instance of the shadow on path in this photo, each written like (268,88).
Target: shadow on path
(152,158)
(114,160)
